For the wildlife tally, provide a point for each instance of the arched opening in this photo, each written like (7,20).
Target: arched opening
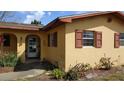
(32,47)
(9,43)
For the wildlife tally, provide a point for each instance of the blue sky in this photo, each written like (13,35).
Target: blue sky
(44,16)
(54,14)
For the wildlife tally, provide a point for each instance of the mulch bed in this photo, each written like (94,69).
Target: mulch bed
(92,73)
(101,73)
(6,69)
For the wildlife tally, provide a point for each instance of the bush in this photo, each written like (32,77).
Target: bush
(48,65)
(77,72)
(105,63)
(122,65)
(58,74)
(8,60)
(71,75)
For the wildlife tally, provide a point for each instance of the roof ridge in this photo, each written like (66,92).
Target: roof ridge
(86,13)
(21,24)
(68,19)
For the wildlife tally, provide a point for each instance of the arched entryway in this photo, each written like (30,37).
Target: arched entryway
(32,47)
(8,43)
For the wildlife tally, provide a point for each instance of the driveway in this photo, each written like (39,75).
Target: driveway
(21,74)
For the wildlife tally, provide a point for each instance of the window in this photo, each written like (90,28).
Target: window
(52,39)
(121,39)
(6,42)
(88,38)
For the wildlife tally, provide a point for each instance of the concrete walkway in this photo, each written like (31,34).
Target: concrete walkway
(22,74)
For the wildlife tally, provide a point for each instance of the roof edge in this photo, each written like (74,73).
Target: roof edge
(68,19)
(20,26)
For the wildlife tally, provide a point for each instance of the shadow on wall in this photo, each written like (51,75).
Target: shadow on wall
(93,22)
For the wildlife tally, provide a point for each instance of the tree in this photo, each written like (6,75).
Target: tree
(4,15)
(36,22)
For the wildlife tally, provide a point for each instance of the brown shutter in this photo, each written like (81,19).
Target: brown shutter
(48,40)
(116,40)
(55,39)
(51,40)
(98,39)
(78,38)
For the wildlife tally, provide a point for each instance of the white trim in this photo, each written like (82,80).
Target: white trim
(121,47)
(122,39)
(88,47)
(88,37)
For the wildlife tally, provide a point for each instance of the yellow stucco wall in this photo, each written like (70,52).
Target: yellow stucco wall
(57,54)
(91,55)
(21,43)
(65,54)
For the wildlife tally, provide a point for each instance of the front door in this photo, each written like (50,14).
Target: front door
(32,47)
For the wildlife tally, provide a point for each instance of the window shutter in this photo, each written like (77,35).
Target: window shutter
(52,39)
(78,38)
(116,40)
(48,40)
(98,39)
(55,39)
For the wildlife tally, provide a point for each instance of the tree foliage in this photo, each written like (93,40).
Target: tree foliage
(36,22)
(5,15)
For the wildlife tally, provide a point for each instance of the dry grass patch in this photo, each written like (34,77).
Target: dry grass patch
(111,77)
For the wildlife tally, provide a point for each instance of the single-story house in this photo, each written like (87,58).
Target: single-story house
(68,40)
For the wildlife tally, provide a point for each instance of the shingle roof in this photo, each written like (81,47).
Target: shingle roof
(10,25)
(56,22)
(65,19)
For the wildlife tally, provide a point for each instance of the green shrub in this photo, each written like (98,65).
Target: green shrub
(71,75)
(19,62)
(8,60)
(105,63)
(122,65)
(58,74)
(77,72)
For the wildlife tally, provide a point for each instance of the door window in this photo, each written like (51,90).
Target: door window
(32,45)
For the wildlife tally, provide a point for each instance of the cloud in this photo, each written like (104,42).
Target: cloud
(49,13)
(33,15)
(79,12)
(62,12)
